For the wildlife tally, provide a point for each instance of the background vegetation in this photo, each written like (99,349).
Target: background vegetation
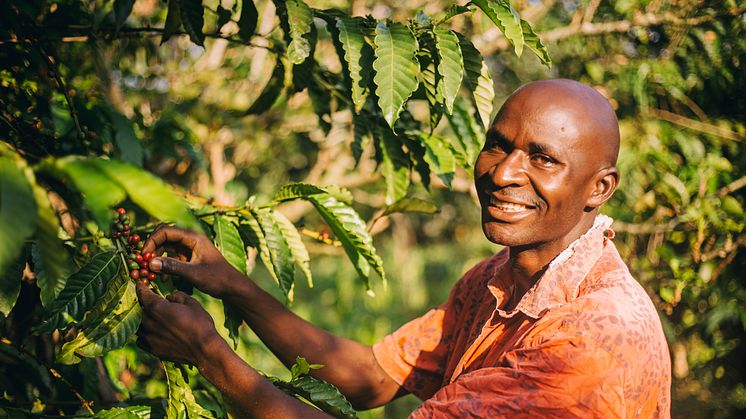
(673,70)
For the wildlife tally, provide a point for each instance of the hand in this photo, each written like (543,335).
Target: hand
(193,257)
(176,328)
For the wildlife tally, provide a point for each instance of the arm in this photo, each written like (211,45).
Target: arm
(349,365)
(179,329)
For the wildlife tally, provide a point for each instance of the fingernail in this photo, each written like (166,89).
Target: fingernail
(155,265)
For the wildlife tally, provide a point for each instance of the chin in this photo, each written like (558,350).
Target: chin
(501,234)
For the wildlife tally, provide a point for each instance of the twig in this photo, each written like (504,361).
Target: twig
(55,70)
(733,186)
(695,125)
(644,228)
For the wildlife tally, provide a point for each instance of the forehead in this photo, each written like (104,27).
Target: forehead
(549,124)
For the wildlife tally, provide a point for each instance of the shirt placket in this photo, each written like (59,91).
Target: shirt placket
(472,351)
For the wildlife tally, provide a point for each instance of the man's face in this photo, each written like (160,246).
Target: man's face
(533,175)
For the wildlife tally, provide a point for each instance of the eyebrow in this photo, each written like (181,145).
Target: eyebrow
(496,138)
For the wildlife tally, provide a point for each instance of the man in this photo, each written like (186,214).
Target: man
(552,326)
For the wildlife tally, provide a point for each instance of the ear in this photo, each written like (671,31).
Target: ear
(604,184)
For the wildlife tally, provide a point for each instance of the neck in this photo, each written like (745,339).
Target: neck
(528,263)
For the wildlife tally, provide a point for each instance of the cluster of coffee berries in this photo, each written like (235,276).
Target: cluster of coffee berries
(137,261)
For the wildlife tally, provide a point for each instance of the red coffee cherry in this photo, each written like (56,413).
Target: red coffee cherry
(138,257)
(121,211)
(144,273)
(135,274)
(151,276)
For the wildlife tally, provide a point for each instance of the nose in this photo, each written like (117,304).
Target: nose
(510,171)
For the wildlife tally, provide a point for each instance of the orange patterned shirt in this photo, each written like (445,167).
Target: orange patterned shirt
(584,341)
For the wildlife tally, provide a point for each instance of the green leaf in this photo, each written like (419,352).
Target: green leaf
(129,412)
(297,248)
(299,190)
(478,80)
(534,44)
(450,65)
(506,19)
(100,192)
(247,20)
(192,18)
(395,167)
(300,19)
(110,324)
(271,91)
(302,367)
(149,192)
(468,131)
(10,283)
(351,231)
(359,57)
(396,68)
(361,135)
(453,10)
(252,232)
(411,205)
(279,251)
(731,206)
(439,157)
(430,77)
(122,10)
(17,210)
(130,149)
(228,242)
(51,259)
(181,402)
(320,393)
(83,289)
(173,20)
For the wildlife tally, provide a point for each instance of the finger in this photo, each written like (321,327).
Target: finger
(168,234)
(177,297)
(171,266)
(148,299)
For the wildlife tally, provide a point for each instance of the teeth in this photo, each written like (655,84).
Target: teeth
(507,206)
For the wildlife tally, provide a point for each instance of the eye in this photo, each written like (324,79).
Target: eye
(542,160)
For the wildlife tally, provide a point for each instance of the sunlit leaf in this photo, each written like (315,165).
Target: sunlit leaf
(430,77)
(358,55)
(396,68)
(17,210)
(247,20)
(411,204)
(229,243)
(322,394)
(297,248)
(181,402)
(109,325)
(478,80)
(10,283)
(100,192)
(271,91)
(300,19)
(83,289)
(450,65)
(129,412)
(439,157)
(534,44)
(149,192)
(300,190)
(506,19)
(395,167)
(130,149)
(279,251)
(351,231)
(468,131)
(252,232)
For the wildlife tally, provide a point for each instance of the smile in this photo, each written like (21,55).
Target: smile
(506,206)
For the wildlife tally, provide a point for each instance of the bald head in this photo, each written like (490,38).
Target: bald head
(570,107)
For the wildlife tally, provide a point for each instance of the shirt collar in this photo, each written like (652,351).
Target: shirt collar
(560,282)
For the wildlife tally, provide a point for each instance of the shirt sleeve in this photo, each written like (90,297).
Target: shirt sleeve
(567,377)
(415,356)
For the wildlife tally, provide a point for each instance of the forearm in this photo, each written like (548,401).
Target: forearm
(248,393)
(349,365)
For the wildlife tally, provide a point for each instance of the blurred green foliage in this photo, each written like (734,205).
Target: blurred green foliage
(673,70)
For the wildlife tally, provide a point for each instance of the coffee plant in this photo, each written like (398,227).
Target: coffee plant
(76,203)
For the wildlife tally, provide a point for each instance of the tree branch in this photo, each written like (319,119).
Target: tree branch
(695,125)
(602,28)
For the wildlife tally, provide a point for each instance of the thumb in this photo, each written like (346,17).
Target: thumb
(146,296)
(170,266)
